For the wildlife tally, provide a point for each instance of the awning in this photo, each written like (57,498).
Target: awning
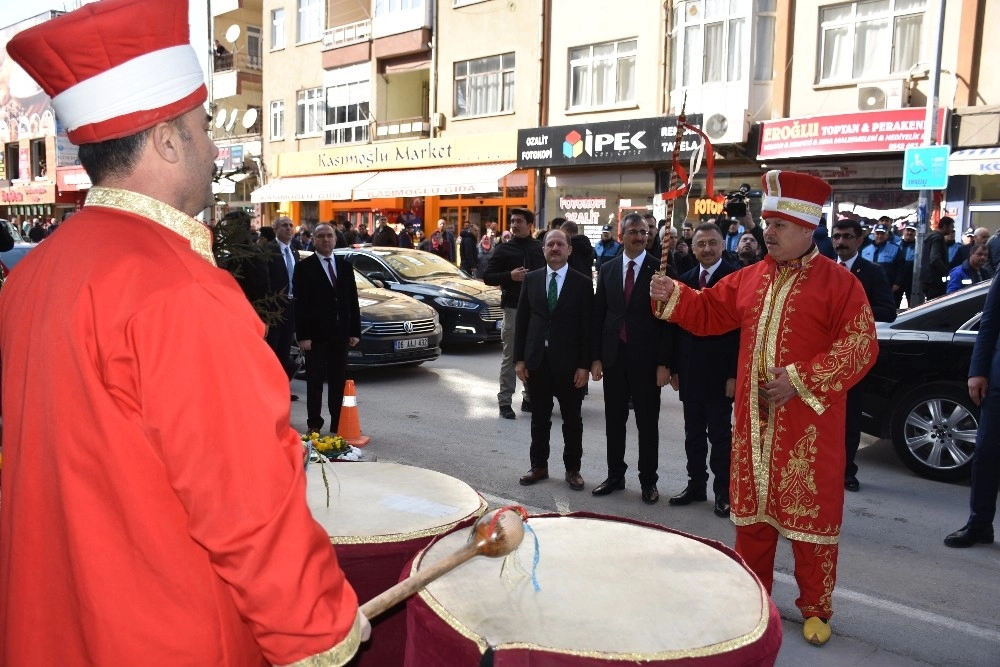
(438,181)
(975,162)
(336,187)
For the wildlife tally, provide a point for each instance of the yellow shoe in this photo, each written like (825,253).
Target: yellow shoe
(816,630)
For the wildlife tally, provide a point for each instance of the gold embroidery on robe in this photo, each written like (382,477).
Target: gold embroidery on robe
(848,357)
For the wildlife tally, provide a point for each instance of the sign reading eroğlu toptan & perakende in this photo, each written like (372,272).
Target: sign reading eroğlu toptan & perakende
(638,140)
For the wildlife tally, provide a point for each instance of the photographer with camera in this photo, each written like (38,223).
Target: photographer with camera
(738,220)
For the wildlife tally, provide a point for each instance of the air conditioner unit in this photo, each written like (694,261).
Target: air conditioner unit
(726,127)
(437,121)
(883,95)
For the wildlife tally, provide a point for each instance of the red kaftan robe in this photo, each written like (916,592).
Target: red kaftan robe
(154,508)
(814,321)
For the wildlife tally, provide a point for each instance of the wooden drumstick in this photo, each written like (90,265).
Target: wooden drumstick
(496,534)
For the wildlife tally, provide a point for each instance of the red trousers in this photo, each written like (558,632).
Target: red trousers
(815,566)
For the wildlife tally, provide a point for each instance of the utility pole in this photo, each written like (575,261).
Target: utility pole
(930,138)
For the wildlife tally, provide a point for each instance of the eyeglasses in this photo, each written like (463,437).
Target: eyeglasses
(637,232)
(846,237)
(701,245)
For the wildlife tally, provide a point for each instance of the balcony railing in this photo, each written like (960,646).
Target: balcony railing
(347,34)
(239,61)
(419,126)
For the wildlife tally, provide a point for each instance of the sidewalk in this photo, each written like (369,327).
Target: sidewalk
(838,652)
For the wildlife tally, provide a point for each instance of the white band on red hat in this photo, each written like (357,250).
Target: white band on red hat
(806,211)
(150,81)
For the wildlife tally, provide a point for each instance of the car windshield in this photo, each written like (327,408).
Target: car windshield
(12,230)
(417,265)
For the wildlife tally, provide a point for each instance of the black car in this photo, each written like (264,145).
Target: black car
(917,393)
(469,310)
(395,330)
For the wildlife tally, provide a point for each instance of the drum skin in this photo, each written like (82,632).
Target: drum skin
(613,592)
(379,517)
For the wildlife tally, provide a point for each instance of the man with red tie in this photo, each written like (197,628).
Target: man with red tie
(327,322)
(631,351)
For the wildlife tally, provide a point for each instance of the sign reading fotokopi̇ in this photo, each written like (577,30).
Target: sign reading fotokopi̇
(411,154)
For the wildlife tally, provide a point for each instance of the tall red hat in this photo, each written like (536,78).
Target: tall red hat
(795,197)
(114,68)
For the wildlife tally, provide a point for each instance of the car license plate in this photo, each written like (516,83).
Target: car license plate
(499,324)
(413,343)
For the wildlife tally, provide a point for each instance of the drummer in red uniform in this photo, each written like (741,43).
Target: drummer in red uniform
(806,337)
(154,507)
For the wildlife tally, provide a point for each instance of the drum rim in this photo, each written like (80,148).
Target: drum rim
(412,535)
(699,652)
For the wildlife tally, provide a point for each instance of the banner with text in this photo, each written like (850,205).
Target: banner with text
(889,130)
(617,142)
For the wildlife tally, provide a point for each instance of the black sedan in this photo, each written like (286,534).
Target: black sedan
(917,392)
(469,310)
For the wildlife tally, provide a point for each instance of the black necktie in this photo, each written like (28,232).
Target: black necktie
(329,269)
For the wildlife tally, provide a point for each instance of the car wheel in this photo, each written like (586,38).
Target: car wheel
(934,431)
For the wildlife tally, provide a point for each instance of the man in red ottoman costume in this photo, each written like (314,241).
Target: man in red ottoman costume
(806,336)
(154,508)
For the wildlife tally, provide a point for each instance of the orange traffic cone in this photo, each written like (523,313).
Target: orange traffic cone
(349,427)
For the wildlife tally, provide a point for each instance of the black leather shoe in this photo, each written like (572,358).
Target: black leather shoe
(967,536)
(525,406)
(507,412)
(295,397)
(609,485)
(650,495)
(721,507)
(534,475)
(852,484)
(689,495)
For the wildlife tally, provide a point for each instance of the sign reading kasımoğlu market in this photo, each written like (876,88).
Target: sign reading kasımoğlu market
(639,140)
(862,132)
(405,154)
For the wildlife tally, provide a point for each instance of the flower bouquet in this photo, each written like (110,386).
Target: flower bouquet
(333,447)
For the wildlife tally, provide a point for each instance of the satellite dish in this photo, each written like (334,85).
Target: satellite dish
(249,118)
(232,33)
(220,118)
(232,120)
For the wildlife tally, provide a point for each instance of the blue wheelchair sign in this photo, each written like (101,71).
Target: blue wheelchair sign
(926,168)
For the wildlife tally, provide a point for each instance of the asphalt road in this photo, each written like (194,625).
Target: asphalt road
(902,597)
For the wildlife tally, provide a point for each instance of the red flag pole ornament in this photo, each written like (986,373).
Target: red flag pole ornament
(678,173)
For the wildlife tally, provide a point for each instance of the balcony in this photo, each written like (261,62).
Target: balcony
(347,34)
(403,128)
(233,71)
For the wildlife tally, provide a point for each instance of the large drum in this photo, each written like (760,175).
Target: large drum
(613,591)
(380,516)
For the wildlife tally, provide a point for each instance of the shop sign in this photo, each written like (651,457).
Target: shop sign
(890,130)
(583,210)
(72,179)
(392,155)
(28,194)
(617,142)
(706,206)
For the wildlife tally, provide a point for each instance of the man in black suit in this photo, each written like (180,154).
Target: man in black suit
(631,350)
(552,354)
(705,375)
(281,265)
(327,321)
(847,238)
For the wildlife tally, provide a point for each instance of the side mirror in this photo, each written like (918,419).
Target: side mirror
(378,278)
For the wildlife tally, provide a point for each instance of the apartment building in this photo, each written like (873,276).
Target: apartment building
(235,92)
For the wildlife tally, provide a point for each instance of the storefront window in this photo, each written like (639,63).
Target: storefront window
(596,199)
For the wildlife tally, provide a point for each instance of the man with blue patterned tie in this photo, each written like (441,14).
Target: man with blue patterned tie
(281,267)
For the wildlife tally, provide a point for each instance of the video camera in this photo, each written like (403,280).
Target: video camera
(736,202)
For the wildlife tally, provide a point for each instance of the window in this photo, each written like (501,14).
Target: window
(277,120)
(712,39)
(763,60)
(869,40)
(310,26)
(383,7)
(253,47)
(602,74)
(309,111)
(347,118)
(12,158)
(277,29)
(38,167)
(484,86)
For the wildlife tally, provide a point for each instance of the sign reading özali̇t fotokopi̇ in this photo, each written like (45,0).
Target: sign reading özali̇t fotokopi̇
(889,130)
(637,140)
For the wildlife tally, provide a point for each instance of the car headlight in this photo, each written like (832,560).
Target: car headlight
(366,326)
(455,303)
